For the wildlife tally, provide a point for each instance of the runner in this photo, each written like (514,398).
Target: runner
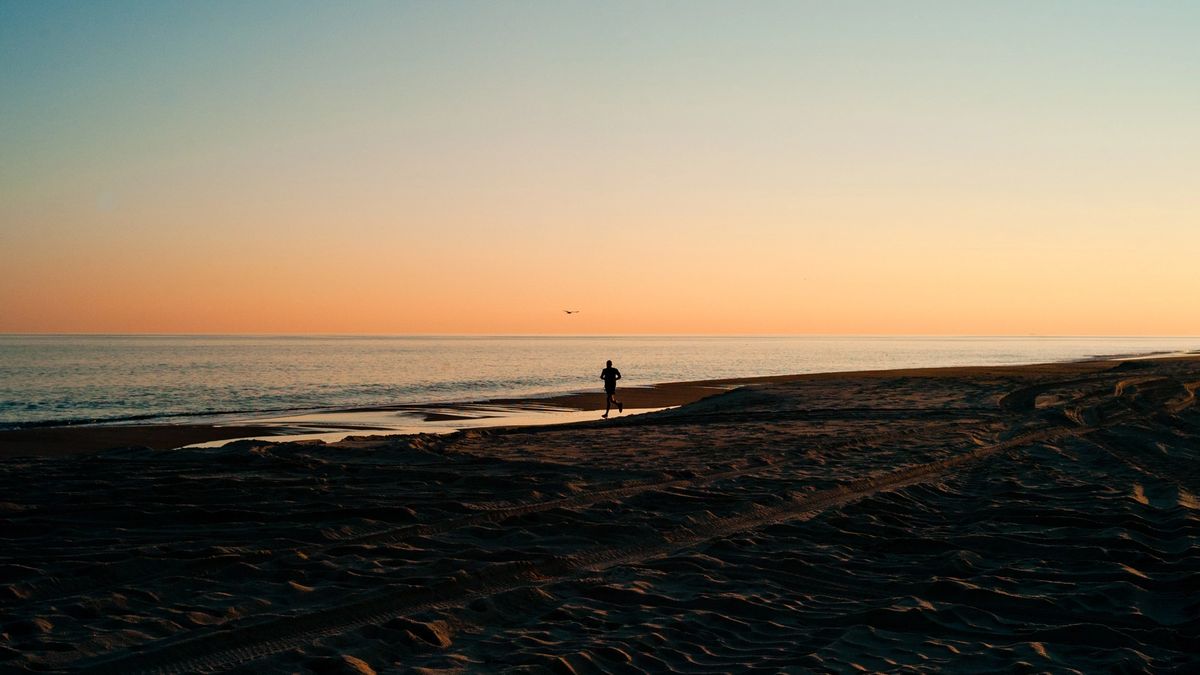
(610,376)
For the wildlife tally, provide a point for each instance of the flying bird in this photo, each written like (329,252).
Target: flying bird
(571,311)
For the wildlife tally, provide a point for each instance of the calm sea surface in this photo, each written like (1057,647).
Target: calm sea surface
(76,378)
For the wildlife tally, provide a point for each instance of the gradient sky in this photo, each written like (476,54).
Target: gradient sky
(435,167)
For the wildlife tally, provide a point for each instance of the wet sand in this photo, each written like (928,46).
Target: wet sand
(1039,518)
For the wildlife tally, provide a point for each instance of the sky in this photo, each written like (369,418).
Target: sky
(934,168)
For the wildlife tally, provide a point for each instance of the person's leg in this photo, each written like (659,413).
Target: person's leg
(607,402)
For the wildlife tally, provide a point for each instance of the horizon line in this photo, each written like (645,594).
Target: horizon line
(581,335)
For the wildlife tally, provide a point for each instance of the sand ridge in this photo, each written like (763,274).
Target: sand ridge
(1041,518)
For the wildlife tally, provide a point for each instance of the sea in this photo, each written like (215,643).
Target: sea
(50,380)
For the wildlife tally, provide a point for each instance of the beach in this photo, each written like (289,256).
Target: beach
(62,440)
(997,519)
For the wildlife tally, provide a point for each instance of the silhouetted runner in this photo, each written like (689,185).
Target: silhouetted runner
(610,376)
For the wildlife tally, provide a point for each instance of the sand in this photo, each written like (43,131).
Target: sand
(987,519)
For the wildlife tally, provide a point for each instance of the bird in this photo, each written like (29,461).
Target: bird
(571,311)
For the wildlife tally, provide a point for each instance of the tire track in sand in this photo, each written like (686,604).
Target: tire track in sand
(603,493)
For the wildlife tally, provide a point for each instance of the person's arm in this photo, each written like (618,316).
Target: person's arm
(618,374)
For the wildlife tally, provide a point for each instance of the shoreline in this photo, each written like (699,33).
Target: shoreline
(75,439)
(326,425)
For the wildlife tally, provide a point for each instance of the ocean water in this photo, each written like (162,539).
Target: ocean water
(47,379)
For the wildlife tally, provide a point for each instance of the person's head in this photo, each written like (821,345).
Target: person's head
(610,364)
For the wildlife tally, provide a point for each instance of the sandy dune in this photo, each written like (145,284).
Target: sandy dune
(995,519)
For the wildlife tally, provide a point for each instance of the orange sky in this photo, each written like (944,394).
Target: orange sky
(789,170)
